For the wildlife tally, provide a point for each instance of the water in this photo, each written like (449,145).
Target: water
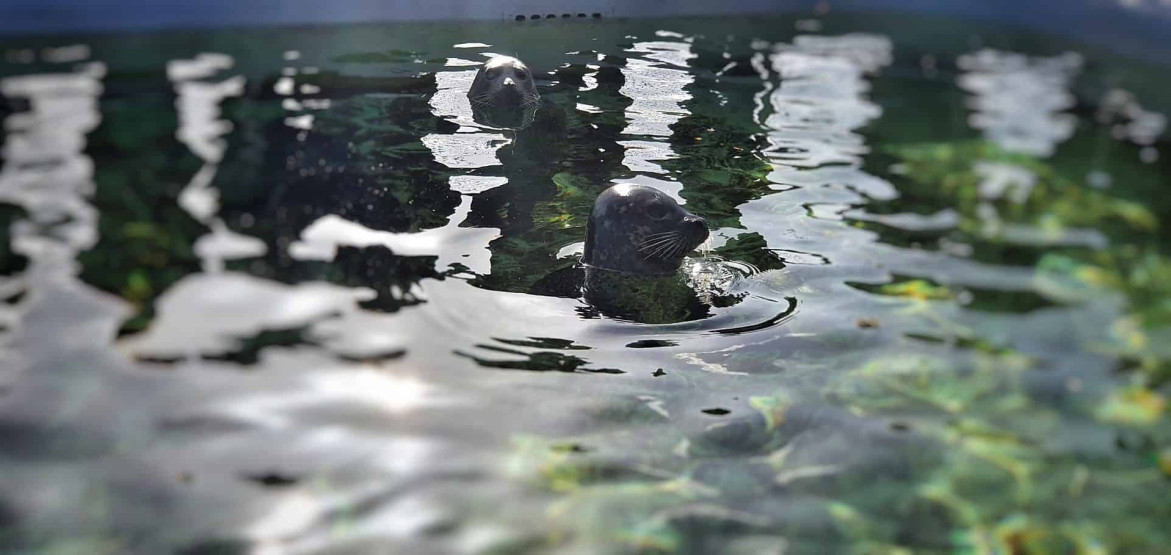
(278,291)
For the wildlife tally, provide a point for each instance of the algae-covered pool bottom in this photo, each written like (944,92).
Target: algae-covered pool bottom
(281,291)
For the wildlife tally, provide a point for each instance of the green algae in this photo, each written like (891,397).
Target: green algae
(1048,200)
(988,472)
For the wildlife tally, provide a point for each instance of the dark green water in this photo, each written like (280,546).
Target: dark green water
(277,291)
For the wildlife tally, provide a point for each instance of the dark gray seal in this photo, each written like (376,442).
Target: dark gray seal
(640,230)
(503,82)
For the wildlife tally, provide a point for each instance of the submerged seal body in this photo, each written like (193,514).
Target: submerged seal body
(503,82)
(640,230)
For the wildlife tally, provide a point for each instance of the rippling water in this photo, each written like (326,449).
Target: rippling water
(279,291)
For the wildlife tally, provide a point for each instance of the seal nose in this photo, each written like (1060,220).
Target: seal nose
(508,82)
(698,225)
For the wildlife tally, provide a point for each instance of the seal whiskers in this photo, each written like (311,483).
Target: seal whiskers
(665,252)
(650,243)
(659,244)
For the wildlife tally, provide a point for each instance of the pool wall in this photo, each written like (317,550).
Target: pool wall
(1137,27)
(41,16)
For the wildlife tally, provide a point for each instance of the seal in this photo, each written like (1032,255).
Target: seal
(503,82)
(640,230)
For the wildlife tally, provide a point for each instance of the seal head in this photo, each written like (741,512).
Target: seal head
(640,230)
(503,82)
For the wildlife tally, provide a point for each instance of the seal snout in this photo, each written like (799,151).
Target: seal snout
(509,95)
(697,226)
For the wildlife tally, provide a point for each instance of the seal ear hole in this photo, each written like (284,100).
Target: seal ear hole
(657,211)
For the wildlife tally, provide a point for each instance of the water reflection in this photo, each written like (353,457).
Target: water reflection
(208,314)
(470,146)
(47,174)
(1130,121)
(1019,100)
(655,79)
(819,105)
(202,130)
(815,112)
(368,362)
(450,244)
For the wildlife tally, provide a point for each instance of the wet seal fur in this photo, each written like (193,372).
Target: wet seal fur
(644,299)
(634,229)
(504,94)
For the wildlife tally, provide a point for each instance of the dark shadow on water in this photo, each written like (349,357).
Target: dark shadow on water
(515,118)
(217,547)
(10,262)
(651,344)
(248,350)
(544,343)
(273,479)
(542,361)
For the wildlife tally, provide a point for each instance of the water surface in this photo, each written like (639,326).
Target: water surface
(279,291)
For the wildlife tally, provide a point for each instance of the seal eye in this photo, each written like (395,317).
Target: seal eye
(656,211)
(522,75)
(492,73)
